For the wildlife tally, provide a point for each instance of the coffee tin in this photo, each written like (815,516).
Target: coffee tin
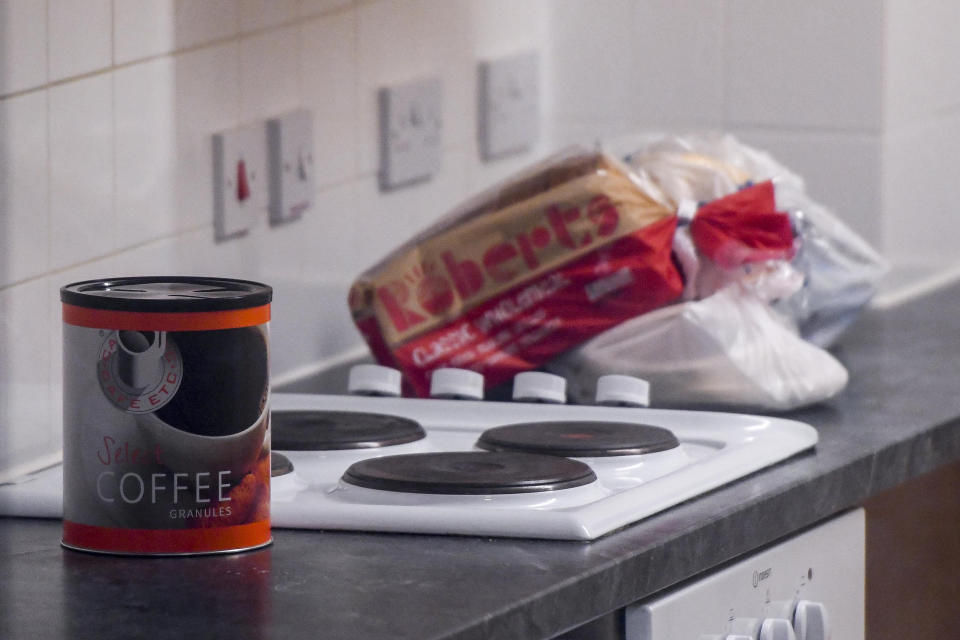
(166,417)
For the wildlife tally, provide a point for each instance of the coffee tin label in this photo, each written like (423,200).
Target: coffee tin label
(166,438)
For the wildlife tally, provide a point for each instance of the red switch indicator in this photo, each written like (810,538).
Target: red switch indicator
(243,185)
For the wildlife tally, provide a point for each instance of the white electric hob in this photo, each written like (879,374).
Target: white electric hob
(581,494)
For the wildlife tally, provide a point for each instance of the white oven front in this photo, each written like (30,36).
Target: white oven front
(809,587)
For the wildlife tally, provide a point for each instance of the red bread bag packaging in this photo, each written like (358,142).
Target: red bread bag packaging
(522,272)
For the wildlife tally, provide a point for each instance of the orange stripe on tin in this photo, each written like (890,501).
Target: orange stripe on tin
(161,321)
(166,541)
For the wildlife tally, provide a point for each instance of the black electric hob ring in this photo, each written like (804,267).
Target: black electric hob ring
(280,465)
(579,439)
(312,430)
(469,473)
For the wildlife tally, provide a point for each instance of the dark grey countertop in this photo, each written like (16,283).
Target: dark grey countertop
(898,418)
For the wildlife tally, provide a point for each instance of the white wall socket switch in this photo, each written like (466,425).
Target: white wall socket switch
(239,180)
(291,166)
(509,109)
(410,132)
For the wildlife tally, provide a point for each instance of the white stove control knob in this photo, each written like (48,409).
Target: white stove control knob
(623,391)
(810,621)
(776,629)
(373,380)
(458,384)
(536,386)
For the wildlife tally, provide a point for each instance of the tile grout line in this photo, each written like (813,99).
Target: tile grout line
(357,93)
(45,279)
(114,66)
(112,254)
(114,212)
(48,236)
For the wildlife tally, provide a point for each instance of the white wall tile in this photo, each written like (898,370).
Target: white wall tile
(23,45)
(310,322)
(920,222)
(190,253)
(396,216)
(142,29)
(25,397)
(650,61)
(268,73)
(24,211)
(310,8)
(615,133)
(589,68)
(82,220)
(207,101)
(260,14)
(503,27)
(81,36)
(399,42)
(329,88)
(157,257)
(196,252)
(333,240)
(676,69)
(922,59)
(145,150)
(812,64)
(203,22)
(842,171)
(54,352)
(311,265)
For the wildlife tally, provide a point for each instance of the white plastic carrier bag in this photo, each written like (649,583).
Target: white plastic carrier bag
(729,350)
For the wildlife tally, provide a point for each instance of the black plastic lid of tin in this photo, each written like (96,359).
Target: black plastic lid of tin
(166,294)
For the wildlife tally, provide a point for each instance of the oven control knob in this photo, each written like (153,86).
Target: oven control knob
(373,380)
(776,629)
(456,384)
(810,621)
(623,391)
(536,386)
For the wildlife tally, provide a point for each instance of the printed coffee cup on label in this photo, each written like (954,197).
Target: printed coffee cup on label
(218,418)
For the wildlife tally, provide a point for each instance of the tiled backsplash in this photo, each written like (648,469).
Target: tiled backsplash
(107,107)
